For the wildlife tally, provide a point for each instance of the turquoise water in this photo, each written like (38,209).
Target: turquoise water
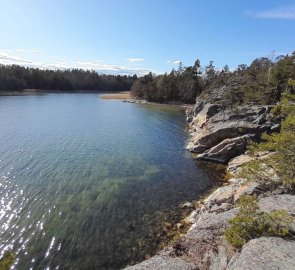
(87,183)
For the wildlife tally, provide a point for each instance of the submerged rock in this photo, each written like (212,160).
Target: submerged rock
(186,205)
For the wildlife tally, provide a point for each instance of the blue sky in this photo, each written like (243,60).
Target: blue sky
(136,36)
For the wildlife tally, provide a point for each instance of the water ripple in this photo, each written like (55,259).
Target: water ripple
(87,183)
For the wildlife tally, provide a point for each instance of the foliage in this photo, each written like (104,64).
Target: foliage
(260,83)
(282,144)
(251,223)
(7,260)
(181,85)
(17,78)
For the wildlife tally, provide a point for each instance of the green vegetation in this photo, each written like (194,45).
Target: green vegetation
(17,78)
(281,145)
(277,169)
(260,83)
(183,85)
(7,260)
(251,223)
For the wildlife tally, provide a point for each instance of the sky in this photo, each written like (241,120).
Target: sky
(138,36)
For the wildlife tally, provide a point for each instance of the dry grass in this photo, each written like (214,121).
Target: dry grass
(120,95)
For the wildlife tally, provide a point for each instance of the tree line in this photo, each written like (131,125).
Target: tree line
(262,81)
(18,78)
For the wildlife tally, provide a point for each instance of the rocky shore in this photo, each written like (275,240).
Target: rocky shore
(204,245)
(221,134)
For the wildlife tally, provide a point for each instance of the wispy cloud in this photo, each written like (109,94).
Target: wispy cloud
(9,57)
(177,62)
(283,13)
(32,50)
(5,51)
(133,60)
(173,62)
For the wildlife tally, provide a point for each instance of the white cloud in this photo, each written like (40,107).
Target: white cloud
(177,62)
(133,60)
(110,68)
(7,57)
(283,13)
(5,51)
(173,62)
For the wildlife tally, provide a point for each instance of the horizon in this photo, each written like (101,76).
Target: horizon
(132,37)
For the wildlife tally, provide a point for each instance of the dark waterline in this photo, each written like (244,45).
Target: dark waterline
(87,183)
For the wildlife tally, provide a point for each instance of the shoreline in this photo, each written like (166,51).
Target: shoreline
(29,92)
(127,98)
(203,246)
(124,96)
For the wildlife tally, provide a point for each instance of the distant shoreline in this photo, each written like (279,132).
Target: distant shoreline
(27,92)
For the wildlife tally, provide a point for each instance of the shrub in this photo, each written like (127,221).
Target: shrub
(250,223)
(281,144)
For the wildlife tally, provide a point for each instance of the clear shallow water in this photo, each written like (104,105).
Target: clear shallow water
(87,183)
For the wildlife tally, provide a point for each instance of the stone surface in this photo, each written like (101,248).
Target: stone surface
(227,149)
(246,189)
(186,205)
(222,195)
(205,243)
(220,134)
(276,202)
(239,181)
(202,117)
(205,248)
(236,163)
(163,262)
(265,253)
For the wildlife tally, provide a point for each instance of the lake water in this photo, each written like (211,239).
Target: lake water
(87,183)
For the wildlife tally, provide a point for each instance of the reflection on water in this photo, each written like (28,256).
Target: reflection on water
(87,183)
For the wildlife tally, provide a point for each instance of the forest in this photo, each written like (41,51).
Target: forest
(18,78)
(262,81)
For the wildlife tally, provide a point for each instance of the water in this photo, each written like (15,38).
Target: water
(87,183)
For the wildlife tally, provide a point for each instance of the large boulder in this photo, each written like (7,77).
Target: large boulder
(220,134)
(227,149)
(216,133)
(203,116)
(270,253)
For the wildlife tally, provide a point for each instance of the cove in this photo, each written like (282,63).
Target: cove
(87,183)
